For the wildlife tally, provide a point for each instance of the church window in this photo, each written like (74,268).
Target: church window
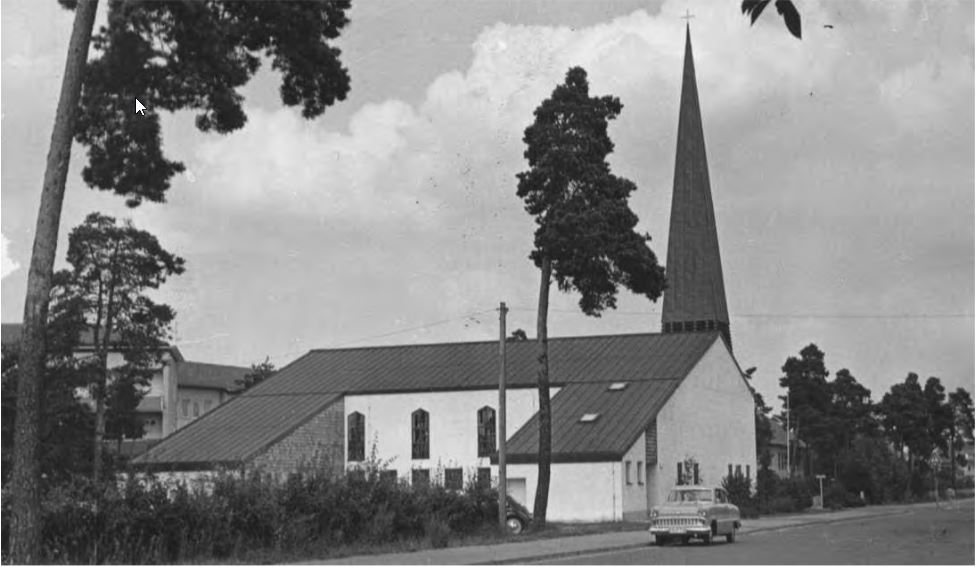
(616,386)
(486,431)
(627,472)
(484,477)
(356,430)
(421,434)
(453,479)
(695,472)
(589,417)
(420,477)
(640,473)
(681,476)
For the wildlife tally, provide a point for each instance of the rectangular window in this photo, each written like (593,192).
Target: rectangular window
(356,431)
(484,477)
(681,476)
(486,431)
(196,409)
(421,435)
(453,479)
(627,472)
(730,471)
(389,477)
(696,474)
(738,470)
(640,472)
(420,477)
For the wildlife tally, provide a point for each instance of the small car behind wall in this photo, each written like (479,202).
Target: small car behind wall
(699,512)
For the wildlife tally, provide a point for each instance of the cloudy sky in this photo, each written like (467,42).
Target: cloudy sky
(842,172)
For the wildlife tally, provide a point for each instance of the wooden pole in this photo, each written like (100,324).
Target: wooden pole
(502,433)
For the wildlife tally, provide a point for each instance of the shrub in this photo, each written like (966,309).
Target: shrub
(782,505)
(437,531)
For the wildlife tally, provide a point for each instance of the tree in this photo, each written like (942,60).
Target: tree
(961,409)
(785,8)
(585,238)
(518,335)
(180,55)
(259,373)
(807,400)
(850,409)
(112,267)
(764,426)
(903,415)
(939,417)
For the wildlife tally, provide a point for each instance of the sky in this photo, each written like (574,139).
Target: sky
(842,173)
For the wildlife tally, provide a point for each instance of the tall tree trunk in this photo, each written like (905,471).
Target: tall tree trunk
(100,389)
(545,413)
(25,529)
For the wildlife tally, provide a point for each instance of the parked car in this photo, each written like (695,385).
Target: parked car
(517,516)
(695,512)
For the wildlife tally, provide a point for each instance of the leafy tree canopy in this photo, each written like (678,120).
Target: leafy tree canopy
(259,372)
(178,55)
(585,226)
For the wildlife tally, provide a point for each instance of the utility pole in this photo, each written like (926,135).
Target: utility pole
(502,433)
(789,468)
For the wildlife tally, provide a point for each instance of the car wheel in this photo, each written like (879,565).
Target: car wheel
(514,525)
(660,540)
(730,537)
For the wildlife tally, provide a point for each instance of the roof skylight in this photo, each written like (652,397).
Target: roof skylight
(617,386)
(589,417)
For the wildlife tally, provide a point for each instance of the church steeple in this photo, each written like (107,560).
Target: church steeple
(695,298)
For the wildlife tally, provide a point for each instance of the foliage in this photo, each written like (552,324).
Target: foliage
(148,520)
(808,400)
(739,489)
(518,335)
(196,56)
(585,238)
(259,372)
(870,466)
(785,8)
(113,265)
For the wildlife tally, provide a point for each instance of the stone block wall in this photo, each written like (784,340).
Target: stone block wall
(318,442)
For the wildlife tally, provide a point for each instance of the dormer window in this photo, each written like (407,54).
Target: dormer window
(589,417)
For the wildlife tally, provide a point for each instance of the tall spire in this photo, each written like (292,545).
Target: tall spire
(695,298)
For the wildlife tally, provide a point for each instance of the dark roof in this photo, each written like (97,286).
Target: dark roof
(211,376)
(622,415)
(244,426)
(234,432)
(696,291)
(10,334)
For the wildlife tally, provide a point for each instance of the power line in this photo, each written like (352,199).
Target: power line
(787,315)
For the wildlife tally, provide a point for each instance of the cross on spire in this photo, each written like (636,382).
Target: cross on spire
(687,17)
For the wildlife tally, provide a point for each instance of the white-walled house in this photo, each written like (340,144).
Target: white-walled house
(178,392)
(428,413)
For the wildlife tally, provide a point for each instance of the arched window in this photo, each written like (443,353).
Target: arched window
(420,421)
(356,430)
(486,431)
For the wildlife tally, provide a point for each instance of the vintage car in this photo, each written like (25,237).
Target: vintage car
(517,516)
(695,512)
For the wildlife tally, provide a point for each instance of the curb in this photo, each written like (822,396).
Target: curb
(630,546)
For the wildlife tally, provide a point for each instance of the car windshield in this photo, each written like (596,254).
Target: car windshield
(694,495)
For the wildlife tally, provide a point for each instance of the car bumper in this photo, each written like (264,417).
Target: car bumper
(679,531)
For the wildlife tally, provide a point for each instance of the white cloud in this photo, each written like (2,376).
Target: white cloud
(7,264)
(460,148)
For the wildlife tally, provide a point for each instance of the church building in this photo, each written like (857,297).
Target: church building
(632,414)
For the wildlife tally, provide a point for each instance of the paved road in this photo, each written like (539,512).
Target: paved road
(923,535)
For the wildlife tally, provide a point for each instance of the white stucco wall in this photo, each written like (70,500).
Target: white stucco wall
(709,418)
(453,426)
(635,492)
(578,492)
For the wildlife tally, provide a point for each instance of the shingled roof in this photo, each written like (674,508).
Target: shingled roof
(244,427)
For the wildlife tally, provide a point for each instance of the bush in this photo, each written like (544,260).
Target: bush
(151,521)
(782,505)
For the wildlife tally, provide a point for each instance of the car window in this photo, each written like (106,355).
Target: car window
(720,497)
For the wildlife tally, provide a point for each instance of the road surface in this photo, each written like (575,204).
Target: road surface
(922,535)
